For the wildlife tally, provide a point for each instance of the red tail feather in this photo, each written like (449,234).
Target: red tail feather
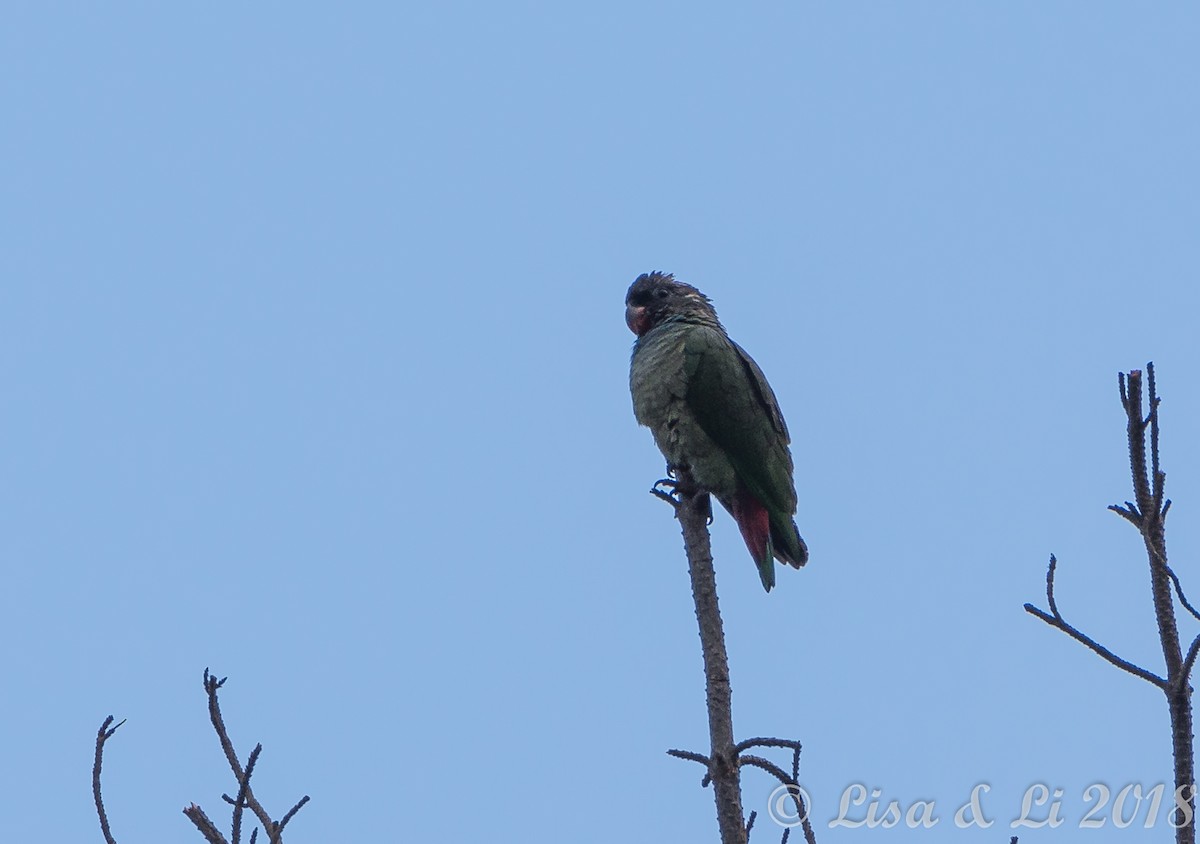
(755,524)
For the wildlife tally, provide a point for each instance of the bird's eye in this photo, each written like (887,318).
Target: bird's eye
(662,293)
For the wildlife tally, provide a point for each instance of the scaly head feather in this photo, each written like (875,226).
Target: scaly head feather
(656,297)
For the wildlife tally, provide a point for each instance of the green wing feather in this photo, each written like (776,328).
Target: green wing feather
(737,408)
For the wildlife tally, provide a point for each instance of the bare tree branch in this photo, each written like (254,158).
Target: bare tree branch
(692,508)
(240,803)
(102,736)
(245,797)
(1190,660)
(1123,664)
(290,814)
(211,686)
(1147,512)
(1050,570)
(1149,487)
(1054,619)
(766,765)
(207,828)
(1175,579)
(763,741)
(793,790)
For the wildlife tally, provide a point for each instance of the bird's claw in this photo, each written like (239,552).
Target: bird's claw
(670,494)
(675,490)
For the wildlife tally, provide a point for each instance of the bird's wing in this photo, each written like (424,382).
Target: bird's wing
(736,407)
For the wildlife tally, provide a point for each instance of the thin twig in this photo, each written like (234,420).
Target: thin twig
(793,786)
(211,687)
(243,788)
(1129,513)
(768,766)
(1178,586)
(1055,619)
(696,757)
(103,735)
(1084,639)
(1158,478)
(207,828)
(290,814)
(1190,660)
(764,741)
(1050,587)
(690,756)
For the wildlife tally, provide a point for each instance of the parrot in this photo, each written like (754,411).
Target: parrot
(711,410)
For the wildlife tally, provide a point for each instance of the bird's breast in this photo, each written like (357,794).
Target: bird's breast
(656,376)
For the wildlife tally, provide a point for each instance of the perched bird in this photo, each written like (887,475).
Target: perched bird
(711,410)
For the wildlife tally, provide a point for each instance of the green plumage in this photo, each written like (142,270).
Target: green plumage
(710,408)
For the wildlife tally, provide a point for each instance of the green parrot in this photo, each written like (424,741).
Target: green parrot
(711,409)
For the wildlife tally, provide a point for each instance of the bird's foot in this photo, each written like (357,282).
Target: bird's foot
(676,489)
(670,494)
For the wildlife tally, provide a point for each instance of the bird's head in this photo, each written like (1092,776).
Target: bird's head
(655,297)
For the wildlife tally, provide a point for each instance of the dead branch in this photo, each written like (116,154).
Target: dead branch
(207,828)
(693,508)
(104,734)
(1054,619)
(1148,512)
(245,796)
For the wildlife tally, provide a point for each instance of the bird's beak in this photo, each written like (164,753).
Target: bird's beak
(637,319)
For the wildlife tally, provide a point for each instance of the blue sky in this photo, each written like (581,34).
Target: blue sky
(315,371)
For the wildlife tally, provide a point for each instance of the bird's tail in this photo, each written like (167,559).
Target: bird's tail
(789,545)
(755,524)
(767,539)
